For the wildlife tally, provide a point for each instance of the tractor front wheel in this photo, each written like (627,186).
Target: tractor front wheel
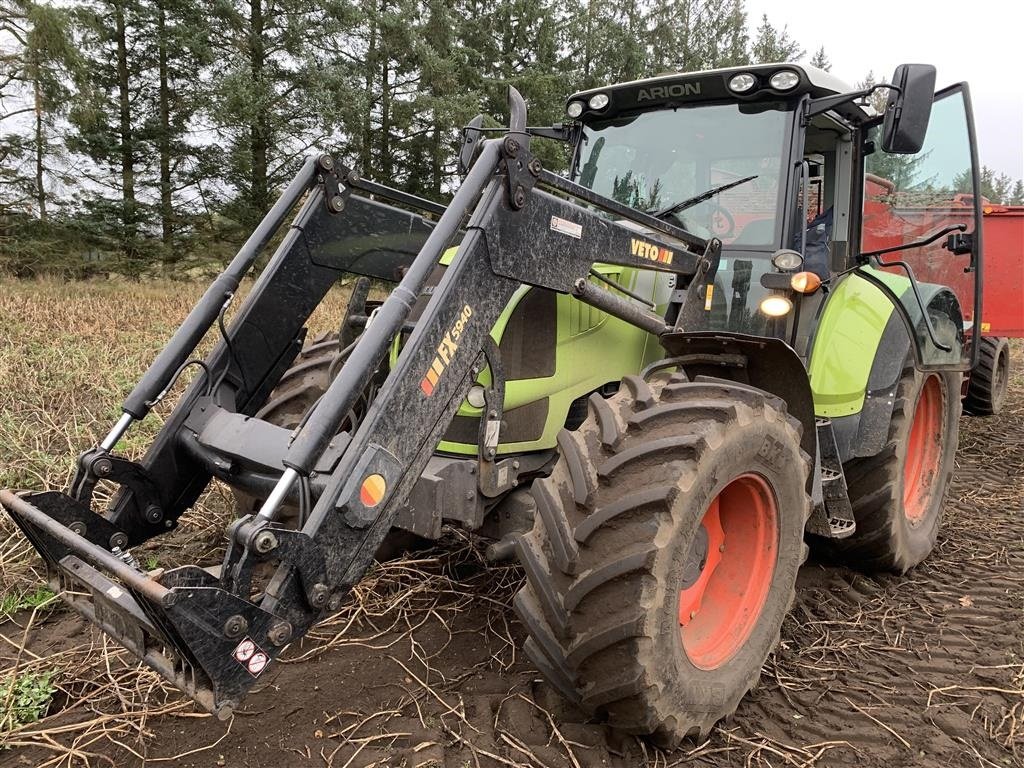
(664,553)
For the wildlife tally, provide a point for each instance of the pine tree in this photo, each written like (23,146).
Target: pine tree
(270,93)
(176,34)
(37,70)
(108,119)
(821,60)
(1017,196)
(772,44)
(605,43)
(691,35)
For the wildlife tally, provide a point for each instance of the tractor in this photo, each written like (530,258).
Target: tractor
(655,379)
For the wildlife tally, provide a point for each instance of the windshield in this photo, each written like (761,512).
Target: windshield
(656,160)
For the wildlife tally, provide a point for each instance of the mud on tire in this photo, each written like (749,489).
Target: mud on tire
(898,494)
(616,529)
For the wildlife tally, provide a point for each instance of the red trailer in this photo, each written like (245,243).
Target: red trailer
(1002,309)
(1002,315)
(1003,303)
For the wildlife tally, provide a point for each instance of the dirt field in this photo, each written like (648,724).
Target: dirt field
(423,668)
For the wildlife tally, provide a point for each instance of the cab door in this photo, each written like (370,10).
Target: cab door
(920,239)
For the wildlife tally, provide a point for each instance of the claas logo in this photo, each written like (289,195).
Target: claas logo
(651,252)
(445,351)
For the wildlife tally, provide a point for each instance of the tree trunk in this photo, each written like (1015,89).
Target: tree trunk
(436,167)
(40,148)
(386,166)
(127,139)
(166,203)
(366,142)
(259,130)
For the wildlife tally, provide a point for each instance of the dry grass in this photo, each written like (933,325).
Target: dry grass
(70,352)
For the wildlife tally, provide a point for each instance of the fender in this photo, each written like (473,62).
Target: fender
(765,363)
(859,353)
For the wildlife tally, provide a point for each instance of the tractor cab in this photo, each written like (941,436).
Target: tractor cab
(796,174)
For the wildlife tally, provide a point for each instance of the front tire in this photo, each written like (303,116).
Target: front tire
(664,553)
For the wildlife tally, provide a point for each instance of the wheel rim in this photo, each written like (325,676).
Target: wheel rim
(724,592)
(924,451)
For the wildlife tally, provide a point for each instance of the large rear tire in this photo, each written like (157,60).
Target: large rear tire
(986,390)
(664,553)
(898,494)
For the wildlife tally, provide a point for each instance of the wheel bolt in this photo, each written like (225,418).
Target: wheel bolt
(721,547)
(693,614)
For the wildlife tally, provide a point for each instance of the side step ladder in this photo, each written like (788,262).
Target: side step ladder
(836,497)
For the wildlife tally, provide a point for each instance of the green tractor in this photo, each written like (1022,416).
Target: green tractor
(652,379)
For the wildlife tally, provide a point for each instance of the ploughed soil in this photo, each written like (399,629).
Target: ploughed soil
(423,668)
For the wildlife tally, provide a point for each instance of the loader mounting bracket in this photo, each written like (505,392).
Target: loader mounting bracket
(145,510)
(522,170)
(336,192)
(271,543)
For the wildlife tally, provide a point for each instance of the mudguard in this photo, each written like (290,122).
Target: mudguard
(859,352)
(765,363)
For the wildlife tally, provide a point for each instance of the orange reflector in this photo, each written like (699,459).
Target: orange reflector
(372,490)
(805,282)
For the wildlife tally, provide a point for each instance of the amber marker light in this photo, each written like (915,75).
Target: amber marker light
(805,282)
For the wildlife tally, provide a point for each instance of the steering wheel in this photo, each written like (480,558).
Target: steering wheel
(722,223)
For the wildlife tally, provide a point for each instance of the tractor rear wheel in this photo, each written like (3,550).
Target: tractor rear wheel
(664,553)
(898,494)
(986,389)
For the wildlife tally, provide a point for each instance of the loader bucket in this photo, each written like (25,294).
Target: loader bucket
(165,619)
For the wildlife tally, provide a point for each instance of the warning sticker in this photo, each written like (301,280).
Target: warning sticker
(566,227)
(251,656)
(709,292)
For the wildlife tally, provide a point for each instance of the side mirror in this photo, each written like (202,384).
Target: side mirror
(470,143)
(908,109)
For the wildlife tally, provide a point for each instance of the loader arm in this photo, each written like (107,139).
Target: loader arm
(212,633)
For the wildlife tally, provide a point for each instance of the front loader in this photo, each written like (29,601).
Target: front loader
(650,380)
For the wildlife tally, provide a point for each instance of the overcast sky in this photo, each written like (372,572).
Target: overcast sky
(980,42)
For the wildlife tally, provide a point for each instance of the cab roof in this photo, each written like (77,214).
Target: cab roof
(684,88)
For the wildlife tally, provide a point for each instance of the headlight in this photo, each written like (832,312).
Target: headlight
(776,306)
(784,80)
(575,109)
(475,397)
(598,101)
(742,82)
(787,260)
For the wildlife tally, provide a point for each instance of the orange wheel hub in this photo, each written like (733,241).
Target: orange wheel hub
(729,571)
(924,452)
